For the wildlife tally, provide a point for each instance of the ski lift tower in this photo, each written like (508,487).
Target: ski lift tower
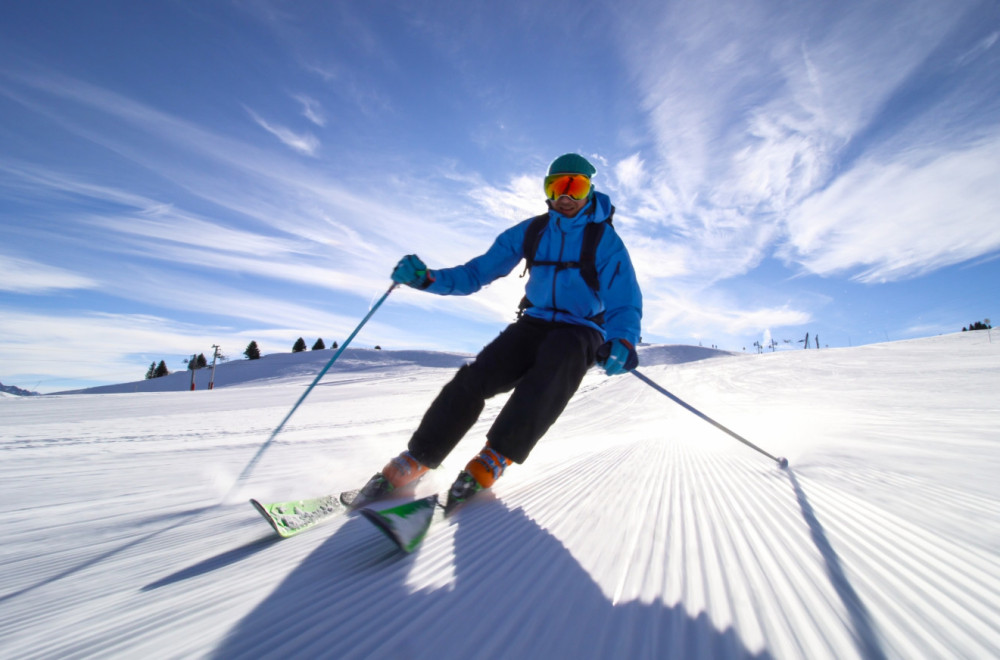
(215,356)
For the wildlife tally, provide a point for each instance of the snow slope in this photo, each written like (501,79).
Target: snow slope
(636,530)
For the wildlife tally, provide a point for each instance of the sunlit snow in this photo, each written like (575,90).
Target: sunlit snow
(635,530)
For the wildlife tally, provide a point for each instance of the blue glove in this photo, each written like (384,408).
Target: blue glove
(617,356)
(411,271)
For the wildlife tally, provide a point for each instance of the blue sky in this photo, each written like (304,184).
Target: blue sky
(175,175)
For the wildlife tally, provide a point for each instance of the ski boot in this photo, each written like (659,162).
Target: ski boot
(401,471)
(465,486)
(480,473)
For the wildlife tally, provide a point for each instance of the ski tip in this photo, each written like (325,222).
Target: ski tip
(405,524)
(262,510)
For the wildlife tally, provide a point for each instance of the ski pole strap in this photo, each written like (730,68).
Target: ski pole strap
(782,462)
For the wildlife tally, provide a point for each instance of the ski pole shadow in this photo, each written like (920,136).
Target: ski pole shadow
(505,588)
(214,563)
(181,518)
(862,627)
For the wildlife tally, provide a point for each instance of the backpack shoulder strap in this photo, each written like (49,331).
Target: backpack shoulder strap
(592,234)
(532,236)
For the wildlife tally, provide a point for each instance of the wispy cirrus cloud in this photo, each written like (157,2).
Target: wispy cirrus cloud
(277,193)
(821,143)
(714,316)
(312,109)
(738,139)
(892,221)
(304,143)
(28,276)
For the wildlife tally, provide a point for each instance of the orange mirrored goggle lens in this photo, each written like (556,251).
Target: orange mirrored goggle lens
(575,186)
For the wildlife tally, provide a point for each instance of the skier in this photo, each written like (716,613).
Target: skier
(565,325)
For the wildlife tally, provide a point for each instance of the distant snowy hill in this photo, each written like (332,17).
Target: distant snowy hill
(281,366)
(11,390)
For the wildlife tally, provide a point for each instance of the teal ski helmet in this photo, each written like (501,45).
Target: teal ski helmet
(572,164)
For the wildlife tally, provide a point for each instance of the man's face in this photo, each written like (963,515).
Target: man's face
(568,206)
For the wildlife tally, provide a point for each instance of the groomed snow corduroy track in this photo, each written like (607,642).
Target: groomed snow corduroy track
(636,530)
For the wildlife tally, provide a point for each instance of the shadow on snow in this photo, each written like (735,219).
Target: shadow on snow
(508,588)
(862,628)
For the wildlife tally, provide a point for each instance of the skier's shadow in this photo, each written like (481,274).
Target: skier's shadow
(509,589)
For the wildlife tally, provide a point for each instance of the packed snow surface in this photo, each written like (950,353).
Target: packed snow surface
(635,530)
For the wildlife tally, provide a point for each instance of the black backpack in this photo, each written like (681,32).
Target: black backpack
(586,262)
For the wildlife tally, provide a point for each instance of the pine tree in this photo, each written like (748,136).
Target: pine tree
(202,361)
(334,347)
(319,345)
(161,370)
(300,345)
(252,351)
(151,372)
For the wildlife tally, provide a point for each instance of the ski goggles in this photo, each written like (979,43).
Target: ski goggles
(575,186)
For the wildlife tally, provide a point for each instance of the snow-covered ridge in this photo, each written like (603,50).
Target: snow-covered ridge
(295,365)
(13,390)
(278,366)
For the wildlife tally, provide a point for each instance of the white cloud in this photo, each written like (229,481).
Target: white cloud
(713,316)
(522,198)
(305,143)
(902,219)
(745,129)
(630,174)
(103,347)
(27,276)
(168,224)
(311,109)
(658,259)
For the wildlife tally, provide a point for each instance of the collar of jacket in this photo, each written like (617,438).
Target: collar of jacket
(597,209)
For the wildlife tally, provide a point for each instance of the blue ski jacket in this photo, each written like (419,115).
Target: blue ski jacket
(561,295)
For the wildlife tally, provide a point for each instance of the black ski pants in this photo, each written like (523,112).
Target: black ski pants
(542,362)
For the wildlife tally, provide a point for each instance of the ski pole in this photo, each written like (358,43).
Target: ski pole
(263,447)
(780,460)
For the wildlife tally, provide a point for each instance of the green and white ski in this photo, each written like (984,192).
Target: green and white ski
(296,516)
(406,525)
